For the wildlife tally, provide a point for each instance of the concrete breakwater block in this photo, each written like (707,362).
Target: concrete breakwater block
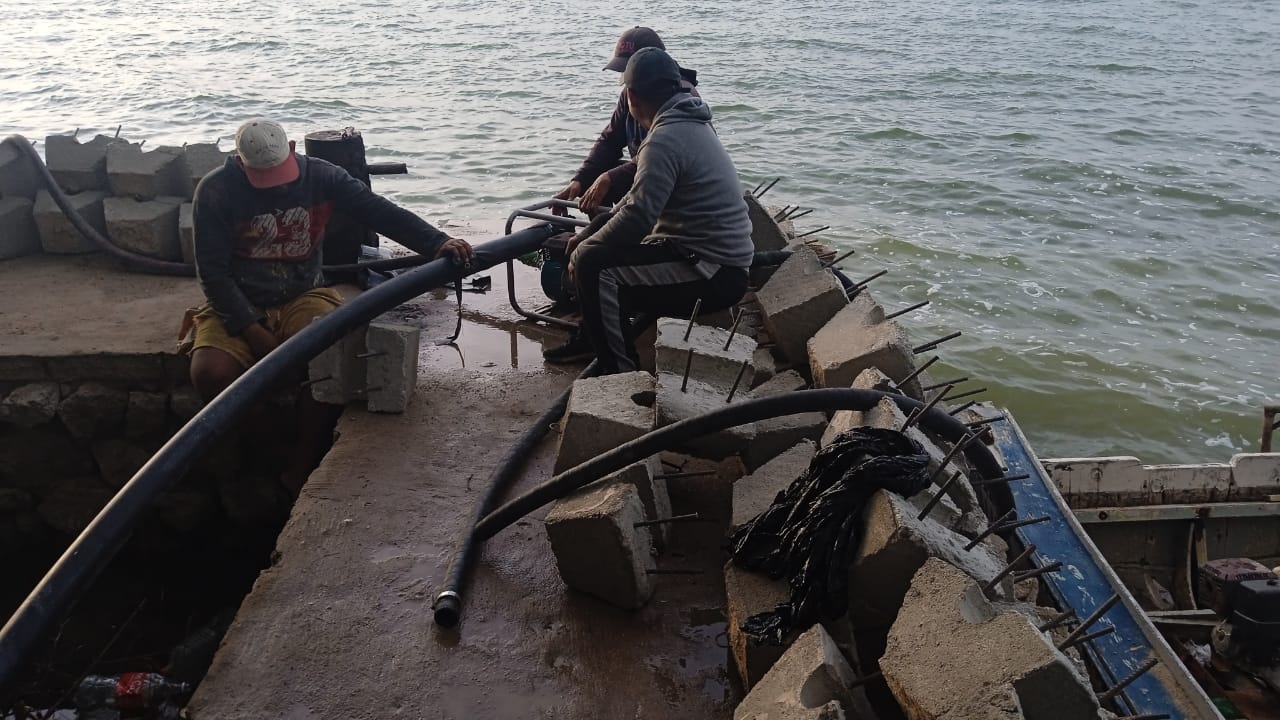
(712,361)
(748,593)
(391,370)
(18,233)
(894,545)
(131,172)
(953,654)
(603,413)
(19,176)
(57,234)
(698,398)
(811,681)
(337,376)
(147,227)
(202,159)
(766,233)
(598,548)
(774,435)
(797,302)
(78,166)
(653,495)
(31,404)
(187,232)
(848,345)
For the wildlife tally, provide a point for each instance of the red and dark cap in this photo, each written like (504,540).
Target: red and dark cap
(632,40)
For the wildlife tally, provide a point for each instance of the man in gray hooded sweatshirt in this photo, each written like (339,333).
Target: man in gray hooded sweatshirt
(679,236)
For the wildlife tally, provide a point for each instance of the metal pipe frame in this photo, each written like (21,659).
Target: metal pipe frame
(531,212)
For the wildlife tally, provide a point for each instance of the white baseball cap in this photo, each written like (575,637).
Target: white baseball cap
(265,154)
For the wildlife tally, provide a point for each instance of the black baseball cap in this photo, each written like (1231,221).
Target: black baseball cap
(650,69)
(631,41)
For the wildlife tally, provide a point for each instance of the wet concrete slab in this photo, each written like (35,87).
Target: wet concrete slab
(340,625)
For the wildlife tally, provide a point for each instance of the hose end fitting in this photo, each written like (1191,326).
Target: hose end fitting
(448,608)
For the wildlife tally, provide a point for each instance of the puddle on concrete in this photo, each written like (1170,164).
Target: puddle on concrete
(498,349)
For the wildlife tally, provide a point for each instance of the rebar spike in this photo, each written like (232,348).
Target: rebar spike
(767,188)
(1143,669)
(863,282)
(1090,636)
(365,355)
(986,421)
(1022,523)
(1000,480)
(961,444)
(1093,617)
(697,305)
(737,318)
(838,260)
(672,519)
(916,373)
(309,383)
(756,189)
(990,529)
(688,363)
(911,418)
(1051,567)
(935,343)
(793,216)
(906,310)
(970,393)
(935,386)
(118,130)
(991,584)
(683,475)
(937,496)
(737,381)
(963,407)
(814,232)
(925,408)
(1057,620)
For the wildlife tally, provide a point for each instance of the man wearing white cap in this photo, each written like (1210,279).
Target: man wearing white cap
(259,230)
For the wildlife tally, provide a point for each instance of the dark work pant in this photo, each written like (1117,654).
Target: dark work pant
(615,283)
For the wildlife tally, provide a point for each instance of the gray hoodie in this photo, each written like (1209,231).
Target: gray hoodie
(686,191)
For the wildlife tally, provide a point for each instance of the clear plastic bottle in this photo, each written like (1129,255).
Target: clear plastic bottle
(129,691)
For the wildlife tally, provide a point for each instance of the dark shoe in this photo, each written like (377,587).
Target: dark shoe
(576,350)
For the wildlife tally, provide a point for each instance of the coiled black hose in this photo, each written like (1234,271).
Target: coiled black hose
(107,532)
(447,606)
(676,434)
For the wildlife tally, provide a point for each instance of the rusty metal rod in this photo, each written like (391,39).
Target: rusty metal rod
(688,363)
(962,408)
(738,380)
(309,383)
(929,406)
(960,445)
(1093,617)
(935,343)
(906,310)
(1000,480)
(916,373)
(863,282)
(990,529)
(1143,669)
(793,216)
(814,232)
(1014,525)
(683,475)
(1057,620)
(970,393)
(1054,566)
(672,519)
(767,188)
(935,386)
(364,355)
(993,582)
(911,418)
(1090,636)
(781,213)
(737,318)
(937,496)
(833,263)
(986,421)
(697,305)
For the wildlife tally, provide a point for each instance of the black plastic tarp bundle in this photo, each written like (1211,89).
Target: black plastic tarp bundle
(810,532)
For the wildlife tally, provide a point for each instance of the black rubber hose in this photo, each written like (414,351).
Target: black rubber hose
(135,261)
(448,602)
(107,532)
(676,434)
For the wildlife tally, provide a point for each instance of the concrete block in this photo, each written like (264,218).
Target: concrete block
(894,545)
(1256,470)
(392,375)
(766,234)
(603,413)
(797,301)
(754,493)
(147,414)
(133,370)
(187,232)
(19,176)
(598,549)
(746,594)
(810,681)
(203,158)
(162,172)
(93,409)
(764,365)
(18,233)
(699,397)
(31,404)
(337,376)
(711,361)
(774,435)
(57,235)
(78,167)
(147,227)
(843,348)
(653,495)
(944,625)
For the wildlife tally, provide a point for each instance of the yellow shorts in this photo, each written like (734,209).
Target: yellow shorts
(284,321)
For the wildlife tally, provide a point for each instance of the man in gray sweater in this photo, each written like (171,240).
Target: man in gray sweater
(679,236)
